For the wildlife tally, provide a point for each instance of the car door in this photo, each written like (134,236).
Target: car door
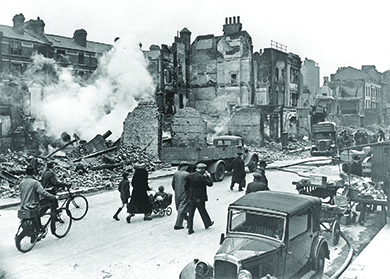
(298,244)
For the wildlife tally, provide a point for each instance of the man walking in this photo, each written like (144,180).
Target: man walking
(196,190)
(238,167)
(178,181)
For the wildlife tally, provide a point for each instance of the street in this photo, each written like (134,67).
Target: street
(100,247)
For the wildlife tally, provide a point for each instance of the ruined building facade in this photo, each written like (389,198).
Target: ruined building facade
(17,45)
(214,74)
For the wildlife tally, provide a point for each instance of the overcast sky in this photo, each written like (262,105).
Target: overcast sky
(333,33)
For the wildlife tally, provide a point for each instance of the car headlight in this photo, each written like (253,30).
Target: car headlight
(202,269)
(244,274)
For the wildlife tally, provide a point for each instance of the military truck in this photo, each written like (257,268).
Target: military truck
(217,157)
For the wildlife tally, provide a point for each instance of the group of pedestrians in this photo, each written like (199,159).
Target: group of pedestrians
(139,199)
(260,182)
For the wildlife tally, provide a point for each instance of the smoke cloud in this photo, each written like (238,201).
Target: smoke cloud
(68,105)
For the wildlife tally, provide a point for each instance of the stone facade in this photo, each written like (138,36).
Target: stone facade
(142,128)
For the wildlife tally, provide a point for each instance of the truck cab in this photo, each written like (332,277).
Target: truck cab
(268,235)
(324,139)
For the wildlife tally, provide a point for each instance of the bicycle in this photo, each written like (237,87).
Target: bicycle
(77,204)
(30,232)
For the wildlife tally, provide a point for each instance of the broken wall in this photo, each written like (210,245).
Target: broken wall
(142,128)
(247,122)
(188,128)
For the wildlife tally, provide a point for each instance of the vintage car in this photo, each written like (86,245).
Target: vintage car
(269,234)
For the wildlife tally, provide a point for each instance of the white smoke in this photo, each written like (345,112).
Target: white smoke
(120,80)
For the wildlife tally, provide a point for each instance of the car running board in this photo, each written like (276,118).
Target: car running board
(308,275)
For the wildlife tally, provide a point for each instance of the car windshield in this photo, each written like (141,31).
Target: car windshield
(323,135)
(259,223)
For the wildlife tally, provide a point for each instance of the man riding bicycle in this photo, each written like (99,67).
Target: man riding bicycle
(49,180)
(30,192)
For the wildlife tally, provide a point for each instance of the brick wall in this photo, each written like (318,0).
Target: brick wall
(189,128)
(245,122)
(142,128)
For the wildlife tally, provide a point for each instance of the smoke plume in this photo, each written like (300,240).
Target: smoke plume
(69,105)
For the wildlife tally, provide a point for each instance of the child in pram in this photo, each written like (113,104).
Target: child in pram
(160,202)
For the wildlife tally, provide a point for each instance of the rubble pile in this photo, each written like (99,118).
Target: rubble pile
(72,166)
(273,151)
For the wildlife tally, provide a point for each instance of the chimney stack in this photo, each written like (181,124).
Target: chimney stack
(232,27)
(80,37)
(19,23)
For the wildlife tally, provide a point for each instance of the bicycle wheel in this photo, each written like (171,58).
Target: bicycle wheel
(61,222)
(26,236)
(78,207)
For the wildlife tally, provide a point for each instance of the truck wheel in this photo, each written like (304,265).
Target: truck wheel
(253,164)
(219,172)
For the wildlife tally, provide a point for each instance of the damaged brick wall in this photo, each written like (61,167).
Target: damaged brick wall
(142,128)
(188,128)
(221,72)
(248,123)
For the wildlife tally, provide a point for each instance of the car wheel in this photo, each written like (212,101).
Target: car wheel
(320,264)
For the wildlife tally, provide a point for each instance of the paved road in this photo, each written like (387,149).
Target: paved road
(99,247)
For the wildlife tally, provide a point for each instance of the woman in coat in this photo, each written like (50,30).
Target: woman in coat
(139,202)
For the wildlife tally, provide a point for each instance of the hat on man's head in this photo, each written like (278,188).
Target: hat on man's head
(183,163)
(201,166)
(50,164)
(258,173)
(125,174)
(263,163)
(239,153)
(356,157)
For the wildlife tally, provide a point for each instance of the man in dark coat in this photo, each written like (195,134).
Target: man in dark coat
(196,192)
(124,189)
(356,166)
(238,167)
(256,185)
(139,202)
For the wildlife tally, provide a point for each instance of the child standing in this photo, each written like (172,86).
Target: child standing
(124,189)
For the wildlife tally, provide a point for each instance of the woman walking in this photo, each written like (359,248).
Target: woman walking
(124,189)
(139,202)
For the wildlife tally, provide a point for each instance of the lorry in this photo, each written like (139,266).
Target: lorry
(324,139)
(269,234)
(217,157)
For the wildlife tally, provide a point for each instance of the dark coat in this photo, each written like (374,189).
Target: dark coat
(356,169)
(139,202)
(124,188)
(238,167)
(264,179)
(256,186)
(196,186)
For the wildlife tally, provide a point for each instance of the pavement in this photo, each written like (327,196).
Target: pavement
(373,260)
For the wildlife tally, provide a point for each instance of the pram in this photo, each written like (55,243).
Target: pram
(161,206)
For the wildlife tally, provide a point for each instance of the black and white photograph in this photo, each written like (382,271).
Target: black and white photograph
(194,139)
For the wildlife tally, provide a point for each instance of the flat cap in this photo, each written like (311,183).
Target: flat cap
(201,165)
(184,163)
